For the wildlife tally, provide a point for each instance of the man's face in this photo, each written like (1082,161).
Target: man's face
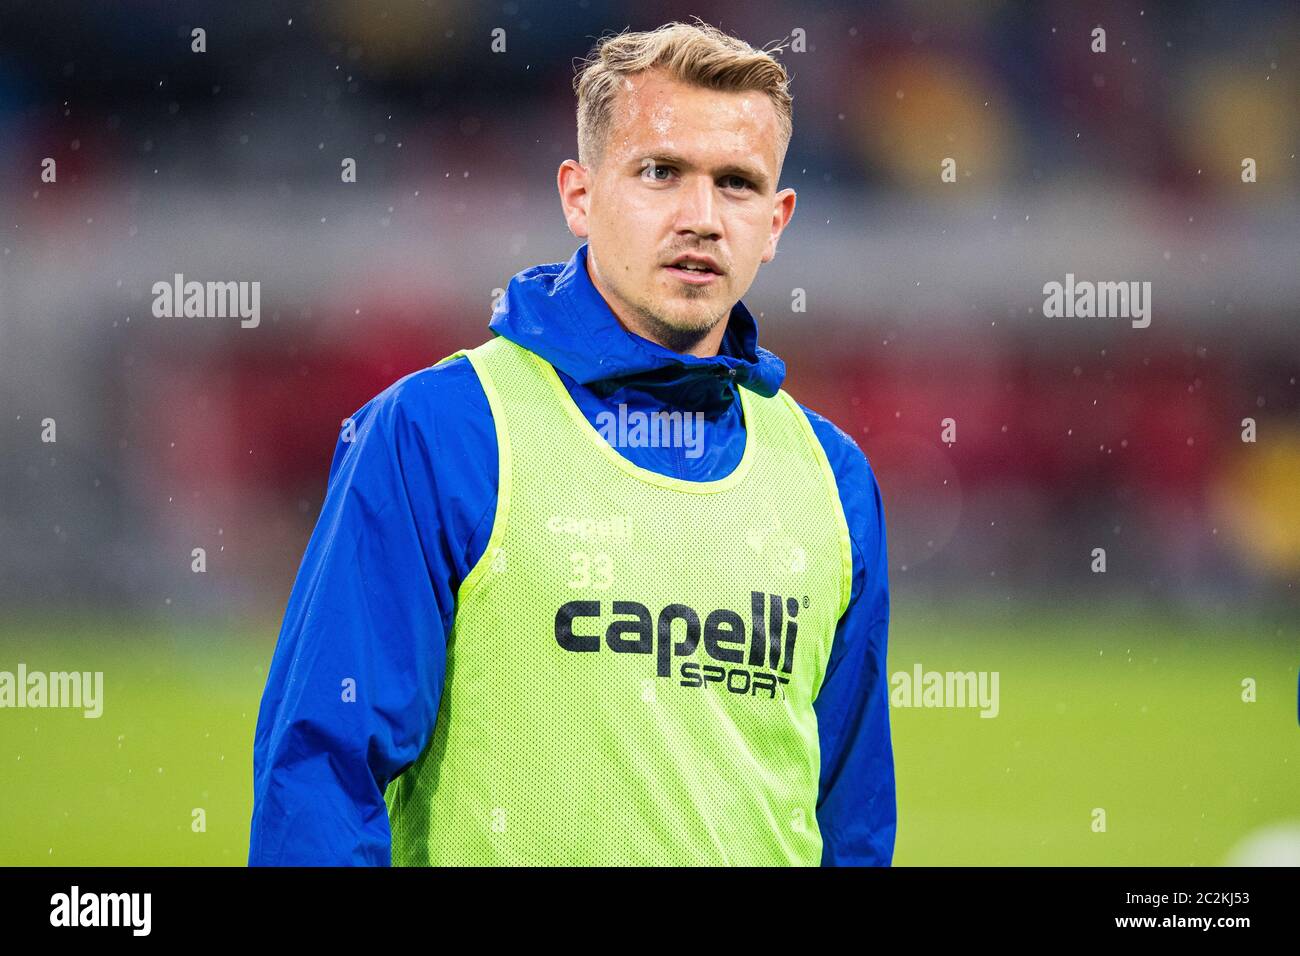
(685,170)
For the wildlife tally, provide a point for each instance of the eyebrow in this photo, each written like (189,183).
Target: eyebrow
(743,170)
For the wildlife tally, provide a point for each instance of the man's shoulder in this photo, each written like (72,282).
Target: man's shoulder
(859,493)
(846,457)
(435,420)
(441,396)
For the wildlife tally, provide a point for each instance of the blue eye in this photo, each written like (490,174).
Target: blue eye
(744,183)
(652,168)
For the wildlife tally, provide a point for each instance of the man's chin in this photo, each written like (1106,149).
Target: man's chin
(688,316)
(687,326)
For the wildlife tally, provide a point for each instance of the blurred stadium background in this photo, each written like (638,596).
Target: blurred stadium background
(1119,691)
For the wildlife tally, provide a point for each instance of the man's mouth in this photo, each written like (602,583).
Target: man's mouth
(693,276)
(695,270)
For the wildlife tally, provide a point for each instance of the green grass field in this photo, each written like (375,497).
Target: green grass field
(1138,715)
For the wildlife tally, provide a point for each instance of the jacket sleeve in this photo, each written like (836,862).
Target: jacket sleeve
(354,685)
(856,809)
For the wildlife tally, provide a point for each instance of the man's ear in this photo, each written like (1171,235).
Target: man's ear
(782,211)
(573,182)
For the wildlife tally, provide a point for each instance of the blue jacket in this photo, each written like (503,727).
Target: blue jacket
(408,512)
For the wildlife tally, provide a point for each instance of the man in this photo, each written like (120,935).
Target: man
(527,632)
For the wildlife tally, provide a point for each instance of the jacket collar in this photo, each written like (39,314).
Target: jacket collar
(556,312)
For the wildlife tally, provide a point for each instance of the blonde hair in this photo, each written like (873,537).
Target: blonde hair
(695,53)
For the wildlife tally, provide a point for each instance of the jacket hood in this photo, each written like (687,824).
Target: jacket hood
(556,312)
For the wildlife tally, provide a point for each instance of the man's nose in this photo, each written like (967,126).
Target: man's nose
(698,209)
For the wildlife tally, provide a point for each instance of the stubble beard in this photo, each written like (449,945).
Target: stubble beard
(679,335)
